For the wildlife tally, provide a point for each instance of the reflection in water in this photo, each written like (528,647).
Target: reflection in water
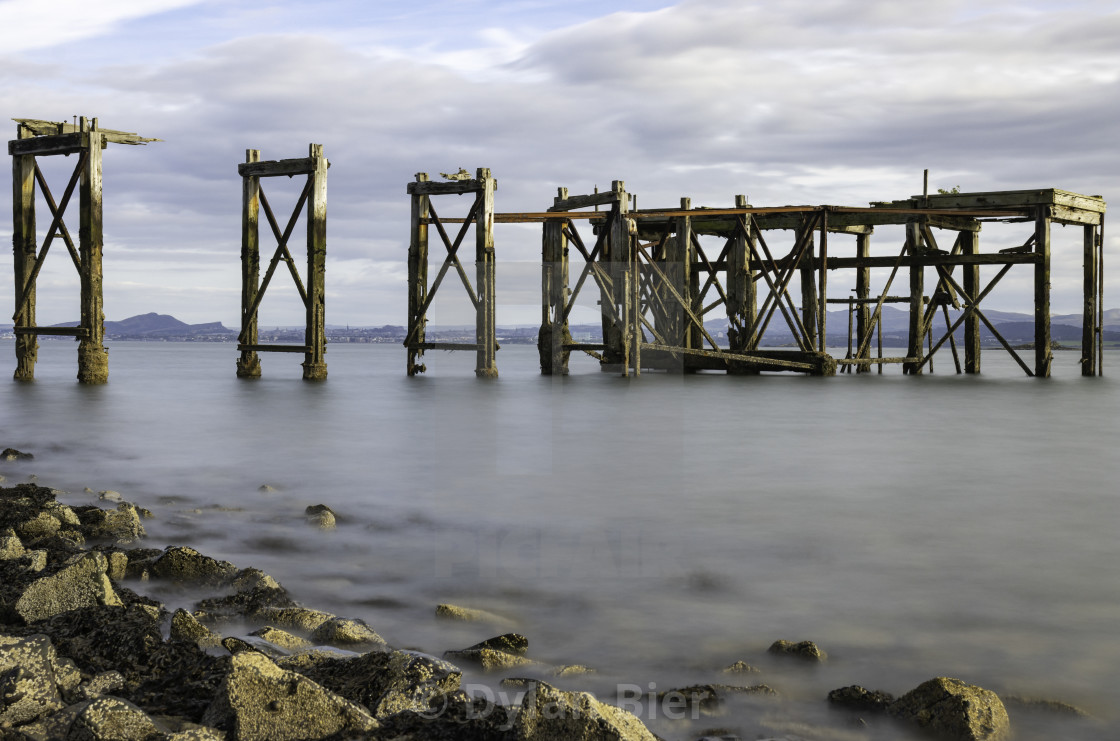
(658,529)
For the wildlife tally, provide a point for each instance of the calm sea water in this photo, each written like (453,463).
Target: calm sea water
(656,529)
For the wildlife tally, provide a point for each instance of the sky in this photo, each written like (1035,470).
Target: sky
(837,102)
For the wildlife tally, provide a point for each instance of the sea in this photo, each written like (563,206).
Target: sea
(656,529)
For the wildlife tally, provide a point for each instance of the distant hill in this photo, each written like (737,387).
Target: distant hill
(153,327)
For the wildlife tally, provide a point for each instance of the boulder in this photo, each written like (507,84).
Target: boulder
(741,667)
(299,618)
(82,582)
(187,566)
(112,719)
(321,516)
(282,638)
(11,454)
(105,683)
(387,682)
(185,627)
(11,547)
(347,633)
(510,643)
(806,650)
(121,525)
(28,687)
(259,701)
(41,525)
(858,698)
(549,714)
(954,710)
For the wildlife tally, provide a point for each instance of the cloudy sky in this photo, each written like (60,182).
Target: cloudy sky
(792,102)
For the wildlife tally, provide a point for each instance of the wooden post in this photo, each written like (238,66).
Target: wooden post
(249,364)
(917,298)
(614,256)
(1042,352)
(822,296)
(809,311)
(24,248)
(863,293)
(417,276)
(742,297)
(314,362)
(485,319)
(93,358)
(554,296)
(970,246)
(1089,326)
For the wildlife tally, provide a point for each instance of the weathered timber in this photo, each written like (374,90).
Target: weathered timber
(917,298)
(249,363)
(315,363)
(255,348)
(485,313)
(554,336)
(1090,327)
(274,168)
(1043,353)
(24,247)
(29,127)
(742,292)
(863,298)
(970,246)
(417,278)
(93,358)
(52,331)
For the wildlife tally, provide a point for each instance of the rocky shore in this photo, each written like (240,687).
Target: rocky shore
(86,654)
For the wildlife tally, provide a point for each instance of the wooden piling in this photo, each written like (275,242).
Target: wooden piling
(93,358)
(863,293)
(485,321)
(742,295)
(417,278)
(615,260)
(24,249)
(554,332)
(249,363)
(970,245)
(1042,351)
(917,328)
(314,363)
(1089,325)
(809,308)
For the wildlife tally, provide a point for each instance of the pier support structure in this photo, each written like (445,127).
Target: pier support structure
(314,196)
(35,138)
(421,294)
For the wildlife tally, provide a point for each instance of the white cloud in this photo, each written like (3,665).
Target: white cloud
(37,24)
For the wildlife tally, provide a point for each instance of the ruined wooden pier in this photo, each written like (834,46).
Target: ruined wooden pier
(314,196)
(34,139)
(657,284)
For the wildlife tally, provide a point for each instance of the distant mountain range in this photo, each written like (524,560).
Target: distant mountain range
(1015,327)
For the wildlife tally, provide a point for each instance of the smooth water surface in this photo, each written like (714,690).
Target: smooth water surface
(657,529)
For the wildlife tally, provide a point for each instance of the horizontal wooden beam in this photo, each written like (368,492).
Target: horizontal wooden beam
(584,346)
(730,358)
(887,300)
(452,187)
(873,361)
(48,145)
(275,168)
(594,199)
(55,331)
(274,348)
(442,346)
(54,128)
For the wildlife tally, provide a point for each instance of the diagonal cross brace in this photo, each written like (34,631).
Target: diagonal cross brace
(25,290)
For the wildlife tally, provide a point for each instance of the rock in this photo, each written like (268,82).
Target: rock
(488,659)
(252,579)
(741,667)
(387,682)
(121,525)
(259,701)
(510,643)
(954,710)
(1052,707)
(11,454)
(34,561)
(82,582)
(858,698)
(105,683)
(806,650)
(321,516)
(470,615)
(347,633)
(110,496)
(185,627)
(549,714)
(450,717)
(282,638)
(300,618)
(187,566)
(249,603)
(42,525)
(238,644)
(11,547)
(28,688)
(110,719)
